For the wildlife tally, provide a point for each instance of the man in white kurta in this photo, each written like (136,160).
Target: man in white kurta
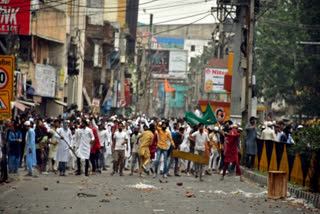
(85,137)
(65,140)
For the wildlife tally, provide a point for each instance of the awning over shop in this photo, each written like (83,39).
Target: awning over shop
(27,103)
(19,105)
(61,103)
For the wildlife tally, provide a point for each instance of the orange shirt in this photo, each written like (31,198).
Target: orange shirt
(163,137)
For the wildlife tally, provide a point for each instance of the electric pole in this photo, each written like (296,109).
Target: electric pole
(236,111)
(251,104)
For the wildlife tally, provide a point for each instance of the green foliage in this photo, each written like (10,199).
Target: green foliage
(283,70)
(308,142)
(306,145)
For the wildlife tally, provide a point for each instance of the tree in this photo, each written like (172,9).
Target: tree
(282,69)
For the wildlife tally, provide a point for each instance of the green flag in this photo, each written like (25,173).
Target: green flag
(208,117)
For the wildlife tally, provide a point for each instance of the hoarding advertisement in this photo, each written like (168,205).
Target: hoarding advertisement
(167,64)
(158,61)
(178,62)
(15,16)
(214,80)
(45,81)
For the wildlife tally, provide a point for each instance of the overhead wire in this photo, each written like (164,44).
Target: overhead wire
(106,9)
(162,22)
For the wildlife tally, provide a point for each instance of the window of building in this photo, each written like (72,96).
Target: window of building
(193,48)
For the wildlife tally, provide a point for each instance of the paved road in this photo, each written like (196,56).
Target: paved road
(54,194)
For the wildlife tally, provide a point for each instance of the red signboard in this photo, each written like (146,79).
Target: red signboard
(15,16)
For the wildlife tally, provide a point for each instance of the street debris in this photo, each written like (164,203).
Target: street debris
(190,195)
(159,210)
(106,194)
(219,192)
(104,201)
(58,182)
(81,194)
(179,184)
(243,193)
(301,203)
(250,194)
(45,188)
(163,181)
(143,187)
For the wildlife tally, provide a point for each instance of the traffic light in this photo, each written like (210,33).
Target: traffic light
(73,65)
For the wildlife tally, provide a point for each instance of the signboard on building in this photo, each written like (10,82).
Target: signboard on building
(45,81)
(6,86)
(15,16)
(20,84)
(158,61)
(167,43)
(167,64)
(214,80)
(178,63)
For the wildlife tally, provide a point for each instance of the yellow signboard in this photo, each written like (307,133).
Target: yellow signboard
(6,86)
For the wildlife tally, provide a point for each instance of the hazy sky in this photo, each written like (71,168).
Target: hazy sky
(166,10)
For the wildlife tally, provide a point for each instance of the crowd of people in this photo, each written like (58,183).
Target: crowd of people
(140,145)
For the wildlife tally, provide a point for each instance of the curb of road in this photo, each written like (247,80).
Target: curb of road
(262,180)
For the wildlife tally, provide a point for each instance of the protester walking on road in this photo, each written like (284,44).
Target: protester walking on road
(135,143)
(120,139)
(84,137)
(65,140)
(146,139)
(251,142)
(14,138)
(231,150)
(162,147)
(30,151)
(200,138)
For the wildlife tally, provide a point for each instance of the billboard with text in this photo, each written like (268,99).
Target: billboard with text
(214,80)
(15,16)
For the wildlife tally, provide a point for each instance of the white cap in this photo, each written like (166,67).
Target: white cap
(269,123)
(27,123)
(216,128)
(240,129)
(31,120)
(300,126)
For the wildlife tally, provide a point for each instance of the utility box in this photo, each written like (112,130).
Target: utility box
(277,184)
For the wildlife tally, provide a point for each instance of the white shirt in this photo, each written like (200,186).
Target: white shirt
(84,137)
(120,138)
(103,137)
(200,140)
(135,144)
(268,134)
(197,112)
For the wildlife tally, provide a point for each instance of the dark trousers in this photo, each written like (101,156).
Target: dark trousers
(101,157)
(222,160)
(250,163)
(176,161)
(86,166)
(4,164)
(62,167)
(94,161)
(22,145)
